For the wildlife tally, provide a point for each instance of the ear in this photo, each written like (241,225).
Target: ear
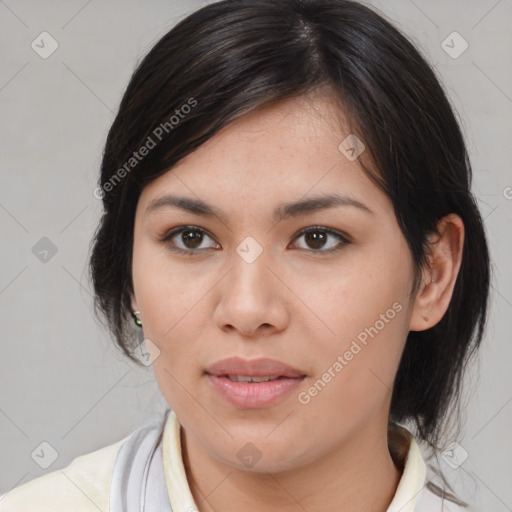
(438,281)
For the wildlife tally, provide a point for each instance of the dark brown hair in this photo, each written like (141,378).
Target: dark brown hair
(232,57)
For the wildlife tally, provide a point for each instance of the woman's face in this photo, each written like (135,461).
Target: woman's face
(330,306)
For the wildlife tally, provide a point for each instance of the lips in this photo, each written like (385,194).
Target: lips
(262,367)
(252,384)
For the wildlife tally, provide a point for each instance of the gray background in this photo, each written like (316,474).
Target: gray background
(62,382)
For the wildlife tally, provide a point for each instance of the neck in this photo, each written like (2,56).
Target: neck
(360,475)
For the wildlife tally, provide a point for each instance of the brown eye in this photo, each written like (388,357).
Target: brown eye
(192,238)
(322,240)
(187,240)
(316,239)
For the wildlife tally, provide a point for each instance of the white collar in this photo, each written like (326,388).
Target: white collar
(406,496)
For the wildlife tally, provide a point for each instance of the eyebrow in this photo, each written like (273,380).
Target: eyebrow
(281,212)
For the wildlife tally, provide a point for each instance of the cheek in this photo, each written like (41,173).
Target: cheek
(358,297)
(170,302)
(171,307)
(355,378)
(173,321)
(165,292)
(359,341)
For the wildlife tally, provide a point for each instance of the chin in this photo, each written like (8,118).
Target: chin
(260,454)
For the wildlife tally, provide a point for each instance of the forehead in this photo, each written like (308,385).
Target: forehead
(278,153)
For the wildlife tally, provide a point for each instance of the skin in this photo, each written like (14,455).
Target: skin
(291,304)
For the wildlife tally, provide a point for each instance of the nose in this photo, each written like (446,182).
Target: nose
(253,299)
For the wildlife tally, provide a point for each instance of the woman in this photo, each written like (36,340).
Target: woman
(288,220)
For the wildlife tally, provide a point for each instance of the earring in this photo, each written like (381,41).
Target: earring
(136,318)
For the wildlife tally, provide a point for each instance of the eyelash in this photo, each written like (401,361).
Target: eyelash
(166,239)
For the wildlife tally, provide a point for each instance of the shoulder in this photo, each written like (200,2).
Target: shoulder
(417,492)
(82,486)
